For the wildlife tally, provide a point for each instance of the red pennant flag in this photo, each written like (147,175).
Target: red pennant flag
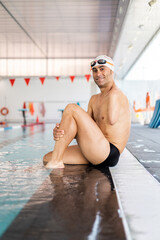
(72,78)
(24,105)
(12,81)
(57,78)
(37,119)
(87,77)
(42,80)
(27,80)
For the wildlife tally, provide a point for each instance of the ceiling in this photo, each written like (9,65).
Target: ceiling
(78,29)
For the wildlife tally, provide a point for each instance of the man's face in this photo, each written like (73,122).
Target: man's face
(102,75)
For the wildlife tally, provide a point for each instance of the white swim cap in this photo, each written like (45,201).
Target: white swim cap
(103,60)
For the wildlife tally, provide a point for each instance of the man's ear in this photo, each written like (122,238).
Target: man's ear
(111,72)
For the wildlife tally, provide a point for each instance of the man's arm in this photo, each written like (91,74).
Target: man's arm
(113,108)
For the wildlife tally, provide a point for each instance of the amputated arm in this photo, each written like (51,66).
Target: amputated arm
(113,108)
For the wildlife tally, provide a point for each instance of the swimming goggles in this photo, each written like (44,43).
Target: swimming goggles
(100,61)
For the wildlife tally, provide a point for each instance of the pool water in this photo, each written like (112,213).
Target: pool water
(21,168)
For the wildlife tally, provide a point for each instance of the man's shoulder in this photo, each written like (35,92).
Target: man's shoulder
(93,97)
(117,92)
(117,95)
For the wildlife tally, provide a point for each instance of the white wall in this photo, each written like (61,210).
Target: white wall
(55,95)
(136,91)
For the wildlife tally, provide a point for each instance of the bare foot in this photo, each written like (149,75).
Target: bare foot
(53,164)
(50,162)
(47,157)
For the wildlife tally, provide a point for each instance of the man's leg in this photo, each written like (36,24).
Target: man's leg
(72,155)
(93,145)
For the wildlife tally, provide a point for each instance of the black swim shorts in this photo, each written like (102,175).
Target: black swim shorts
(112,158)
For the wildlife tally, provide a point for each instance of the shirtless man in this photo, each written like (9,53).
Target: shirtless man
(101,132)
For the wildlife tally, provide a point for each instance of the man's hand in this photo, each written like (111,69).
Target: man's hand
(57,133)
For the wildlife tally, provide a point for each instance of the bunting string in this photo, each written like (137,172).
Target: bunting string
(42,79)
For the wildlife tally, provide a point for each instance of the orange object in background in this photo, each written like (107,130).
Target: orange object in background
(31,108)
(149,108)
(144,109)
(134,105)
(4,111)
(148,104)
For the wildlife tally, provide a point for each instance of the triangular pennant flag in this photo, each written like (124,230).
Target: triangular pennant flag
(87,77)
(42,80)
(72,78)
(27,80)
(12,81)
(57,78)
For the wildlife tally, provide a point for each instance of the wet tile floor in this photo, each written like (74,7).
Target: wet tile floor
(138,195)
(77,202)
(144,144)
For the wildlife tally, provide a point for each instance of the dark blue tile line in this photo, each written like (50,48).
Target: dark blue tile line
(20,126)
(10,127)
(7,128)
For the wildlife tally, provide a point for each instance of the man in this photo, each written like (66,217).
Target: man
(102,132)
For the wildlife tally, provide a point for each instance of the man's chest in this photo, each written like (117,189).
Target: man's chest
(100,111)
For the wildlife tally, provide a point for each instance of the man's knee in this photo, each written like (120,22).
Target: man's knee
(72,107)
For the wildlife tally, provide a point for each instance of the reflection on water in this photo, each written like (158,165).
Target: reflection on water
(65,207)
(96,227)
(75,207)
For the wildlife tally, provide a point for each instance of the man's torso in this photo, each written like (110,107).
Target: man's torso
(117,133)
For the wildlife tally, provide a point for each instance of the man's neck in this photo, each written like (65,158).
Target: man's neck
(107,89)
